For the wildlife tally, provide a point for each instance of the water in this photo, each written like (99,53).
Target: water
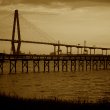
(64,85)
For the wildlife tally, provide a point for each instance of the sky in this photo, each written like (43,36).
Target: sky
(69,21)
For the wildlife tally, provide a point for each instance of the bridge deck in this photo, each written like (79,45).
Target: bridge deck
(55,44)
(55,57)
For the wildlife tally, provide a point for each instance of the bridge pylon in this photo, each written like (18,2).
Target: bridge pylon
(14,39)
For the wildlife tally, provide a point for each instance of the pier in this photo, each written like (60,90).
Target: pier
(55,63)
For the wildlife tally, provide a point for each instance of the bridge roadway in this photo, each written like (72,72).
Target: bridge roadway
(55,44)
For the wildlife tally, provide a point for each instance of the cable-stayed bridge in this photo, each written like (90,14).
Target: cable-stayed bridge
(82,60)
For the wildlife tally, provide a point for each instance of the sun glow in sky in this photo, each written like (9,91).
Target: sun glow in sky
(68,22)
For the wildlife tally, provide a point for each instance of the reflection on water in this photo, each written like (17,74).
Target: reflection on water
(86,85)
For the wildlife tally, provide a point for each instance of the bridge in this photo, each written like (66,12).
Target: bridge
(69,61)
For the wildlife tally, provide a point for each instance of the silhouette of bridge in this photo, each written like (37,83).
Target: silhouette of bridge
(76,62)
(59,44)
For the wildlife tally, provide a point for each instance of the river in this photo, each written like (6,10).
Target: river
(91,85)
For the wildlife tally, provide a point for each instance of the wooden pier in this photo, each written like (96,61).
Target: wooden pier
(54,63)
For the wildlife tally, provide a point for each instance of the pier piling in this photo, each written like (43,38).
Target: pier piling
(47,63)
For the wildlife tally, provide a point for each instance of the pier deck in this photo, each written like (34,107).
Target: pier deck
(55,63)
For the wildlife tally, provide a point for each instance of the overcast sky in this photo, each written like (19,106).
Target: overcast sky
(46,1)
(70,21)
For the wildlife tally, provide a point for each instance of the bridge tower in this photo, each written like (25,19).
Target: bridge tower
(15,42)
(85,50)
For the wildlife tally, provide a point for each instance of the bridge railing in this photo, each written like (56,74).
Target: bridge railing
(54,57)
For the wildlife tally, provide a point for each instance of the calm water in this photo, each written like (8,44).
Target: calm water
(91,85)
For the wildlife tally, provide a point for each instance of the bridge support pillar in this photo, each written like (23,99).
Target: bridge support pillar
(57,50)
(12,66)
(25,66)
(1,67)
(69,50)
(90,51)
(88,63)
(95,64)
(16,21)
(77,50)
(81,64)
(54,50)
(36,65)
(56,65)
(102,64)
(102,51)
(81,50)
(46,66)
(64,65)
(59,47)
(94,51)
(73,65)
(106,52)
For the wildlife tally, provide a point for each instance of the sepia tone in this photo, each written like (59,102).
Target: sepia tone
(55,49)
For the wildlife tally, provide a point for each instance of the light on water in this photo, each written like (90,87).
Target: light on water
(91,86)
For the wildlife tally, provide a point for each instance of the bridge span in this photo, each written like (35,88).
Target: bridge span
(57,46)
(57,61)
(69,47)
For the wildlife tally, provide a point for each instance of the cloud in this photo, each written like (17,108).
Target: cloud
(6,2)
(57,4)
(47,2)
